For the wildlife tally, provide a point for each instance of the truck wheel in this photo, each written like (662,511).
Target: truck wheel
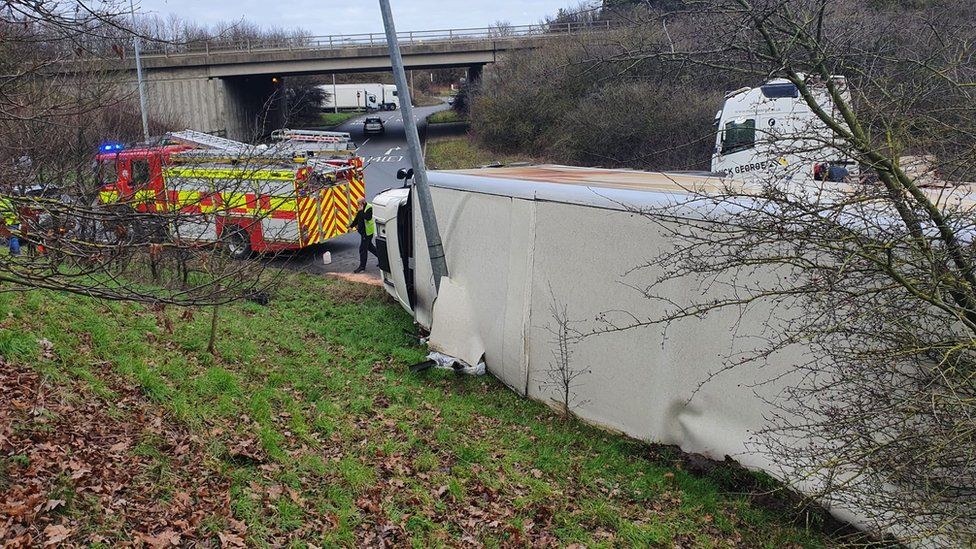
(238,244)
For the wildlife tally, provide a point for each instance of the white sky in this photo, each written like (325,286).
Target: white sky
(324,17)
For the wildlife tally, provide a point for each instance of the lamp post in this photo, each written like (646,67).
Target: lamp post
(142,85)
(435,248)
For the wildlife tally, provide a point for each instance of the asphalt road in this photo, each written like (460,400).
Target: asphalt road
(384,155)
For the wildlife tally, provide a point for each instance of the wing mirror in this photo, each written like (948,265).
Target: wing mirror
(405,173)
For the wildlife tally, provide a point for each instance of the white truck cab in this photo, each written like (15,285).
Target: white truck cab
(390,100)
(770,131)
(394,244)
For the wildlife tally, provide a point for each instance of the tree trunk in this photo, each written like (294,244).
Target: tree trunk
(212,344)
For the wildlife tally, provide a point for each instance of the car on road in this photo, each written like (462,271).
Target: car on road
(373,124)
(450,100)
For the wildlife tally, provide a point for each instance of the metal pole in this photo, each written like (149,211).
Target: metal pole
(435,248)
(335,96)
(142,83)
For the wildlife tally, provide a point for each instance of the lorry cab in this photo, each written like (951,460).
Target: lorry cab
(391,101)
(770,131)
(392,211)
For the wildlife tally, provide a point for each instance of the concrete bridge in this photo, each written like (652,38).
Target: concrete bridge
(237,88)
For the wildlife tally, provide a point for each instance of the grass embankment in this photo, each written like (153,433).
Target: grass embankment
(421,99)
(455,153)
(116,425)
(446,117)
(336,118)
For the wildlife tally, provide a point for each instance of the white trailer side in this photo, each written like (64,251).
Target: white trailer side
(518,239)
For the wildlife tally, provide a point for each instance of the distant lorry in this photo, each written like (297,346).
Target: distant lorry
(770,131)
(523,242)
(368,96)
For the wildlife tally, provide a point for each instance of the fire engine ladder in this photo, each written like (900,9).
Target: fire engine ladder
(322,150)
(246,154)
(310,136)
(324,167)
(200,139)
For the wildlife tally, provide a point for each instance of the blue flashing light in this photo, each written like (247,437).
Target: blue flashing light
(109,147)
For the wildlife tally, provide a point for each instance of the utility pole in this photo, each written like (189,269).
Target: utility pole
(142,84)
(435,248)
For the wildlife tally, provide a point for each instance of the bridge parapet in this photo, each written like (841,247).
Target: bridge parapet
(344,41)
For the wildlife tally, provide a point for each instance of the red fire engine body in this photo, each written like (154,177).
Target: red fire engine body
(265,201)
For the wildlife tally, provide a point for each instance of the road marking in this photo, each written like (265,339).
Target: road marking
(391,149)
(393,158)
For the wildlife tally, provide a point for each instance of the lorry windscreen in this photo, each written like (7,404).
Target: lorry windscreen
(780,90)
(739,135)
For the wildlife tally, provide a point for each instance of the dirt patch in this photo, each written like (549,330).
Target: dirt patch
(355,288)
(78,468)
(360,278)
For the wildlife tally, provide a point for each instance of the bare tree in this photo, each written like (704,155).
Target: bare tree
(152,242)
(586,99)
(501,28)
(873,277)
(562,377)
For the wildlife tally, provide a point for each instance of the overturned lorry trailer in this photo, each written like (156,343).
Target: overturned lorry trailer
(518,241)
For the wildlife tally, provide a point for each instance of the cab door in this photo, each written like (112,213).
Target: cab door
(109,173)
(143,196)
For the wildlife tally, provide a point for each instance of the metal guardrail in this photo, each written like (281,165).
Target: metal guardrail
(339,41)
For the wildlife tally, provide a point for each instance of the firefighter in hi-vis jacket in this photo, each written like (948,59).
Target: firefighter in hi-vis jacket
(363,222)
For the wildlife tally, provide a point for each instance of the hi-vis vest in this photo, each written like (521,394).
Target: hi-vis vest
(370,223)
(7,212)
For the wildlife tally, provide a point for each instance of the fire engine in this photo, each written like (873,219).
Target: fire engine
(301,190)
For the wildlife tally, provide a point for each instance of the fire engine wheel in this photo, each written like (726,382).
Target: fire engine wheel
(238,245)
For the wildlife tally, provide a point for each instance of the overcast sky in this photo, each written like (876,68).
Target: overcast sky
(323,17)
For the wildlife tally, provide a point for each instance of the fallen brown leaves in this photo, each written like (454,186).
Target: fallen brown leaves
(73,472)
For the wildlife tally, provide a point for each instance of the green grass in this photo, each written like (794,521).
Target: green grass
(421,99)
(446,117)
(455,153)
(336,118)
(319,382)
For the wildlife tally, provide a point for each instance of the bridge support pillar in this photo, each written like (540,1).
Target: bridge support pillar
(255,105)
(196,103)
(243,108)
(474,73)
